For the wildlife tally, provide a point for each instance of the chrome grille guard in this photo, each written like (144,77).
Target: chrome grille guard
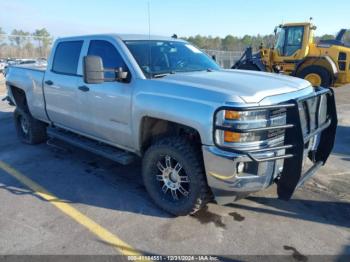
(296,137)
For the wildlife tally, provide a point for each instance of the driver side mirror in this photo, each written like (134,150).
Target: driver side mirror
(93,70)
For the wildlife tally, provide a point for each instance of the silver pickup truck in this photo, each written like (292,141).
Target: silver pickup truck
(203,133)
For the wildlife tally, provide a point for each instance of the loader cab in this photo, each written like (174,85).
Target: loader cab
(292,41)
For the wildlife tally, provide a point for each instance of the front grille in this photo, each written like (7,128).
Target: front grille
(275,113)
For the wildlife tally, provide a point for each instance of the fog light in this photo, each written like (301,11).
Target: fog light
(240,167)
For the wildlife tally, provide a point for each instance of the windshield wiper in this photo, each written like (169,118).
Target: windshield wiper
(163,74)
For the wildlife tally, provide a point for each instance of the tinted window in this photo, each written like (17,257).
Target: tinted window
(110,56)
(67,57)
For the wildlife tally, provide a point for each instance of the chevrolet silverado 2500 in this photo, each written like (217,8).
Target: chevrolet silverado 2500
(204,133)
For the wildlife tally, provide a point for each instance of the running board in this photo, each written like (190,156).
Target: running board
(98,148)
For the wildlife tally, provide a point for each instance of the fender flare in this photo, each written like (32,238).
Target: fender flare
(323,61)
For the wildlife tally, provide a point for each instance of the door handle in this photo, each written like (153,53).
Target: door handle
(84,88)
(49,82)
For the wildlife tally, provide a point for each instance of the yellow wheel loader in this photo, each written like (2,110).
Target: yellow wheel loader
(326,63)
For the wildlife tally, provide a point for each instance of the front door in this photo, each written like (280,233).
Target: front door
(106,107)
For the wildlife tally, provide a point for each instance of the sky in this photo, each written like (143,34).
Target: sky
(183,17)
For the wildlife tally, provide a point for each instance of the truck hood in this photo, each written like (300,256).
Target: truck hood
(250,86)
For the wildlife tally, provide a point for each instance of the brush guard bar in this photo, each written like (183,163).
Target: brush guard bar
(295,141)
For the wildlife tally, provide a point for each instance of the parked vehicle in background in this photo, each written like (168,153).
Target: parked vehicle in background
(41,62)
(9,62)
(203,132)
(26,61)
(2,65)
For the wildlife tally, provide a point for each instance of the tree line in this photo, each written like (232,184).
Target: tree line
(23,44)
(234,43)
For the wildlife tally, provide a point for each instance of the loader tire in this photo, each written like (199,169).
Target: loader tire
(316,75)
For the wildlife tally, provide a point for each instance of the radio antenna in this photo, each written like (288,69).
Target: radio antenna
(149,37)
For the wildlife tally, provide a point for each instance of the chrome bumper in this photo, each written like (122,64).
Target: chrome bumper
(227,184)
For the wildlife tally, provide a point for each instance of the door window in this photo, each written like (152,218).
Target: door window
(281,39)
(67,57)
(111,58)
(294,40)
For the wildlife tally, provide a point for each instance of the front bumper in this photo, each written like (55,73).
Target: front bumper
(227,184)
(305,136)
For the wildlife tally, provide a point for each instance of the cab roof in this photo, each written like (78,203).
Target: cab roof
(297,24)
(124,37)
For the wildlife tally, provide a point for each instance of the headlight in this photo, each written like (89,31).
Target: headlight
(240,127)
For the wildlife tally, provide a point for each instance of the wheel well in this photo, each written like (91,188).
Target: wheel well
(154,128)
(20,97)
(324,62)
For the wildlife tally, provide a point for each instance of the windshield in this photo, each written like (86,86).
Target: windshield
(157,58)
(281,37)
(289,40)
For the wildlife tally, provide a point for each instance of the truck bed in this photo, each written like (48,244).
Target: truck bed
(36,67)
(30,78)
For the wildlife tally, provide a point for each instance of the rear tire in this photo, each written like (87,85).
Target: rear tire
(29,130)
(174,176)
(323,74)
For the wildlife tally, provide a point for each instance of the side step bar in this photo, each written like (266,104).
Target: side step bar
(98,148)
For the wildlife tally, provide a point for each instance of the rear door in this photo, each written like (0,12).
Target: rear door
(106,107)
(61,83)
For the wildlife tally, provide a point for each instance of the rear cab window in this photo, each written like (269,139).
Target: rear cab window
(66,57)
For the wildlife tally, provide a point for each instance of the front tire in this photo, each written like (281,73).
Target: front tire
(173,175)
(29,130)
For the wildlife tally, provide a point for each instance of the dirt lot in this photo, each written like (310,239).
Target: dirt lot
(96,206)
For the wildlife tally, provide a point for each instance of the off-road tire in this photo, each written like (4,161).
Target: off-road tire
(190,158)
(324,74)
(35,131)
